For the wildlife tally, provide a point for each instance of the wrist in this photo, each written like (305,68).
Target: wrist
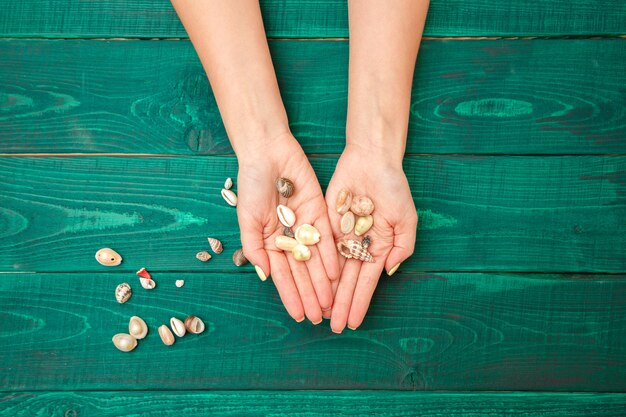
(260,143)
(382,139)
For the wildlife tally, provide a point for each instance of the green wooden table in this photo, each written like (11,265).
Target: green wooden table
(514,302)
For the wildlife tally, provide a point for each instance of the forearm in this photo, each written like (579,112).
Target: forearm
(230,40)
(384,40)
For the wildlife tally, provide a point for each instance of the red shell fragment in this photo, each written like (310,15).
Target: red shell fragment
(144,273)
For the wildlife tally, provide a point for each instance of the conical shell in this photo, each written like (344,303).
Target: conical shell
(124,342)
(123,292)
(238,258)
(216,245)
(287,231)
(137,327)
(307,234)
(108,257)
(203,256)
(355,250)
(366,242)
(285,187)
(344,201)
(228,184)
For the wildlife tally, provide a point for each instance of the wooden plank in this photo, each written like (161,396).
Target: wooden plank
(560,214)
(485,97)
(313,19)
(316,403)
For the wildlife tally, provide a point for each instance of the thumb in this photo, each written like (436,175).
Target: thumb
(254,249)
(403,245)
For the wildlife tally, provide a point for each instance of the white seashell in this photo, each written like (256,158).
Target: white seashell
(216,245)
(228,184)
(238,258)
(229,196)
(180,282)
(123,292)
(166,335)
(203,256)
(307,235)
(353,249)
(347,222)
(344,201)
(108,257)
(301,253)
(137,327)
(362,205)
(178,327)
(286,216)
(363,224)
(285,243)
(285,187)
(148,284)
(124,342)
(194,325)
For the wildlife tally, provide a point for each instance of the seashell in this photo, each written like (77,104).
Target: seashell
(307,235)
(230,197)
(363,224)
(366,242)
(166,335)
(137,327)
(355,250)
(203,256)
(108,257)
(178,327)
(288,231)
(286,216)
(124,342)
(194,325)
(228,184)
(285,243)
(180,282)
(238,258)
(144,273)
(301,253)
(216,245)
(148,284)
(285,187)
(123,292)
(344,201)
(362,205)
(347,222)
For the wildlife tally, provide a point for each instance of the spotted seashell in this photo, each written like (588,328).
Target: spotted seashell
(124,342)
(123,292)
(344,201)
(228,184)
(362,205)
(108,257)
(353,249)
(238,258)
(285,187)
(366,242)
(216,245)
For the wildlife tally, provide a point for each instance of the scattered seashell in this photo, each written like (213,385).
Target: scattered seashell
(124,342)
(228,184)
(144,273)
(230,197)
(216,245)
(301,253)
(285,187)
(123,292)
(180,282)
(178,327)
(137,327)
(363,224)
(108,257)
(347,222)
(285,243)
(362,205)
(238,258)
(203,256)
(148,284)
(354,249)
(194,325)
(307,235)
(366,242)
(166,335)
(286,216)
(288,231)
(344,201)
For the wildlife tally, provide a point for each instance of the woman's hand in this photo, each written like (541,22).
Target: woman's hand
(304,287)
(366,172)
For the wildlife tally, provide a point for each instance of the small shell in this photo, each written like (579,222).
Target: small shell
(216,245)
(366,242)
(355,250)
(180,282)
(362,205)
(194,325)
(148,284)
(288,231)
(301,253)
(347,222)
(285,187)
(124,342)
(286,216)
(178,327)
(238,258)
(285,243)
(144,273)
(108,257)
(137,327)
(230,197)
(203,256)
(166,335)
(363,224)
(344,200)
(123,292)
(228,184)
(307,235)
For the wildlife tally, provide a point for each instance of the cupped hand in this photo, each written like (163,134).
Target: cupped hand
(304,287)
(392,235)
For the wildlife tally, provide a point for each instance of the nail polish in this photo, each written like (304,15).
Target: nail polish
(394,269)
(260,272)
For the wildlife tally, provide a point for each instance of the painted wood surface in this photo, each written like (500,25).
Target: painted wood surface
(539,214)
(480,97)
(443,331)
(313,19)
(316,403)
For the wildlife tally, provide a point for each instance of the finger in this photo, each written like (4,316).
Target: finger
(343,299)
(301,277)
(320,281)
(281,275)
(365,286)
(253,247)
(327,249)
(403,245)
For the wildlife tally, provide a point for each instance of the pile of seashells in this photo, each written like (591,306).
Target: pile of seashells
(138,329)
(356,217)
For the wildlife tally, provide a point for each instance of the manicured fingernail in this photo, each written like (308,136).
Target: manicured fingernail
(300,320)
(322,319)
(351,328)
(337,332)
(260,272)
(394,269)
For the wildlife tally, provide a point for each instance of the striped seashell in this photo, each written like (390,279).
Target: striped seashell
(216,245)
(285,187)
(353,249)
(238,258)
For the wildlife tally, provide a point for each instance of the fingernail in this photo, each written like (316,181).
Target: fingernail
(352,328)
(300,320)
(336,332)
(322,319)
(260,272)
(394,269)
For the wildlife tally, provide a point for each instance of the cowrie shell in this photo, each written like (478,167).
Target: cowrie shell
(363,224)
(307,235)
(286,216)
(108,257)
(229,196)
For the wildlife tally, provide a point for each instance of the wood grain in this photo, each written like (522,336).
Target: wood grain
(478,97)
(444,331)
(313,19)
